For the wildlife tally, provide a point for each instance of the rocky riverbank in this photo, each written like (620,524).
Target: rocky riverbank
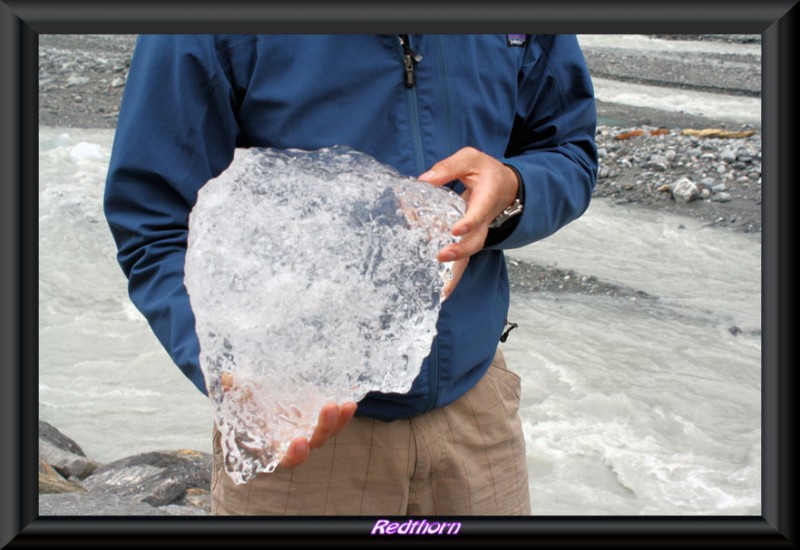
(656,162)
(713,175)
(688,165)
(691,166)
(163,483)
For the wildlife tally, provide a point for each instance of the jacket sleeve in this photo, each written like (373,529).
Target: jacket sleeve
(176,130)
(552,146)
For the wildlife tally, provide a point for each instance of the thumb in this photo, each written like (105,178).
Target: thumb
(459,165)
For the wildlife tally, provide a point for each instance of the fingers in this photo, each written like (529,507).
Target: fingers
(458,270)
(460,164)
(328,417)
(469,244)
(241,395)
(296,454)
(226,379)
(332,419)
(491,186)
(346,413)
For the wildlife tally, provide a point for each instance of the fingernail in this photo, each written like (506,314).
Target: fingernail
(448,256)
(301,447)
(430,174)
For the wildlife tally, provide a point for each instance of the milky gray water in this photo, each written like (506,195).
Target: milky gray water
(645,406)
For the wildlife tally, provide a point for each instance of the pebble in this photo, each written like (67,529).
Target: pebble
(75,80)
(727,155)
(630,171)
(715,164)
(685,189)
(721,197)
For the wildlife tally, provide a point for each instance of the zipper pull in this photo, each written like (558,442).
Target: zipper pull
(410,59)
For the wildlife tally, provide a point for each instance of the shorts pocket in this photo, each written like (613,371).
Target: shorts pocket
(510,384)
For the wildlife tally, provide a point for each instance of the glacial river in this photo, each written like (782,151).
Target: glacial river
(630,406)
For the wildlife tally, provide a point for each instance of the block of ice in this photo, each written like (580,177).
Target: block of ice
(313,279)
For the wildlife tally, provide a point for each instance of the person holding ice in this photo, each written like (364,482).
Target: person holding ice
(507,121)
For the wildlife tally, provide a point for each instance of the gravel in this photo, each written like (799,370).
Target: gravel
(82,78)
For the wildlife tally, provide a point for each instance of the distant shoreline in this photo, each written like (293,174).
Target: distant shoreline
(82,78)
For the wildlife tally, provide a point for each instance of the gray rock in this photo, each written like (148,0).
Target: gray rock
(51,482)
(94,504)
(118,82)
(141,482)
(721,197)
(66,463)
(196,498)
(684,189)
(50,433)
(158,478)
(719,188)
(658,163)
(707,182)
(727,155)
(75,80)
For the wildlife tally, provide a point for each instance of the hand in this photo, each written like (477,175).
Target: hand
(332,419)
(491,188)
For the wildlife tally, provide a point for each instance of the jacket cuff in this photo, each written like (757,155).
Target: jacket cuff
(499,234)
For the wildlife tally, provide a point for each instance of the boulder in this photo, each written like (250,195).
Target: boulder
(51,482)
(157,478)
(65,462)
(197,498)
(50,433)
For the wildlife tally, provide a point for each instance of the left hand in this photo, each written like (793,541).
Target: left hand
(332,419)
(491,188)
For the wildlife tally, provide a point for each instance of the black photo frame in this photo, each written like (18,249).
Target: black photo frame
(22,21)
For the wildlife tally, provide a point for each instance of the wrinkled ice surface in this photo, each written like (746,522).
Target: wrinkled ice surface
(313,279)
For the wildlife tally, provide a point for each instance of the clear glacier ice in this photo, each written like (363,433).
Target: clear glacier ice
(313,279)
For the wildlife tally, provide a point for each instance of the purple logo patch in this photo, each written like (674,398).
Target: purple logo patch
(516,40)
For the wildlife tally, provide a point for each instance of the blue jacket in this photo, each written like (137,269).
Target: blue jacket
(191,100)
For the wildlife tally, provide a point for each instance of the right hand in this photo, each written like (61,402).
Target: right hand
(332,420)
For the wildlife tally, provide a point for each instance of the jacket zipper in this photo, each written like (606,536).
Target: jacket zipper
(410,59)
(448,98)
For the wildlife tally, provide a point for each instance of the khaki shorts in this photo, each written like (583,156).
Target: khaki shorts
(467,458)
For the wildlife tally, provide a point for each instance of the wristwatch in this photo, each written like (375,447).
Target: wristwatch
(514,210)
